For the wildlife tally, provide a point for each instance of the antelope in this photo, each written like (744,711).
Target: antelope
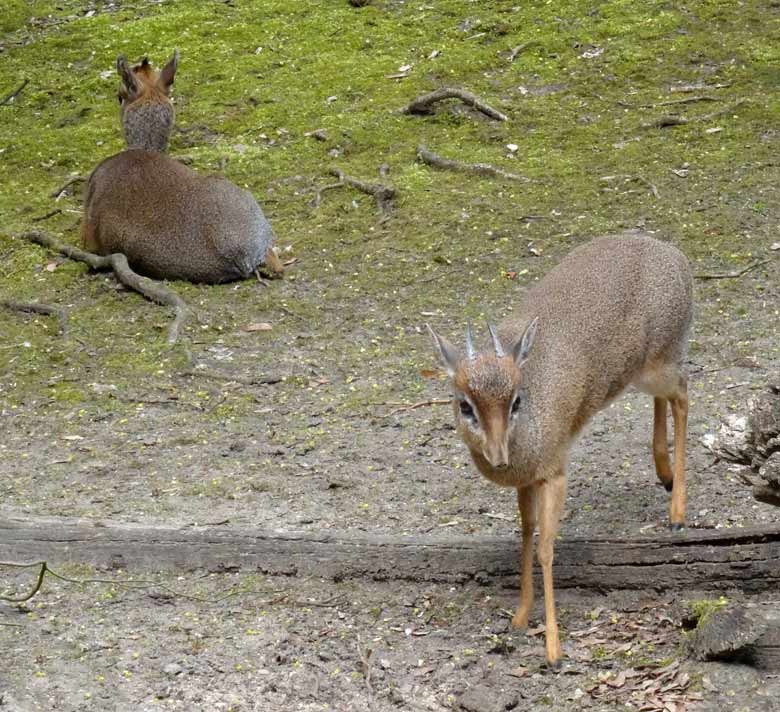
(169,221)
(615,312)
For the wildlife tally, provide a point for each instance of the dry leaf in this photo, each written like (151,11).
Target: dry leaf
(536,631)
(259,326)
(51,266)
(430,372)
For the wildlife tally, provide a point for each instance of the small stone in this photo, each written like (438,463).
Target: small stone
(172,669)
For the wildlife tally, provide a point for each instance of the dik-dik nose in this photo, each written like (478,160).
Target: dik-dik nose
(497,454)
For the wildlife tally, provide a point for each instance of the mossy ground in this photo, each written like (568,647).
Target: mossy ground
(109,423)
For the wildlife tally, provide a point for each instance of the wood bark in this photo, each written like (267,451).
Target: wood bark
(754,441)
(746,559)
(748,634)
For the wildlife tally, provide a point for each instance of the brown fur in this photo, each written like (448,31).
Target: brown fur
(615,312)
(169,221)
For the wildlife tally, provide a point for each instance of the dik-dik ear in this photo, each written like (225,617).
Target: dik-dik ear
(125,71)
(168,72)
(523,345)
(448,355)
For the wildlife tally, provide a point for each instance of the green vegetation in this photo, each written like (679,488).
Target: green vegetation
(256,77)
(702,608)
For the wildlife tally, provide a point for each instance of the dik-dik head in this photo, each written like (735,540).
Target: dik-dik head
(488,391)
(146,109)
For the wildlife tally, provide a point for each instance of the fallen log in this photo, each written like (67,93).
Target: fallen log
(746,559)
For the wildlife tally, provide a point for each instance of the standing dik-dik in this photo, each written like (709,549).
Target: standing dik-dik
(170,222)
(614,312)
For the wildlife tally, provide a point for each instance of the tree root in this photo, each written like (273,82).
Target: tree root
(153,291)
(38,308)
(483,169)
(423,104)
(383,194)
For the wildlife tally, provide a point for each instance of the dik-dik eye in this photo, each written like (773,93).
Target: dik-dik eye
(514,409)
(466,410)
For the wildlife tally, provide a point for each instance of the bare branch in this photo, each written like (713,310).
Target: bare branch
(732,275)
(8,99)
(483,169)
(151,290)
(682,120)
(423,104)
(414,406)
(57,194)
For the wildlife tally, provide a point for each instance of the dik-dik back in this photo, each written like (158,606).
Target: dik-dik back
(170,222)
(614,312)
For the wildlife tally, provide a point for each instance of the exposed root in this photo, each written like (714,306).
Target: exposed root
(383,194)
(38,308)
(732,275)
(151,290)
(423,104)
(483,169)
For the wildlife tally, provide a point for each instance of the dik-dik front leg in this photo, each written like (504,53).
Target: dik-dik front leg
(526,505)
(551,495)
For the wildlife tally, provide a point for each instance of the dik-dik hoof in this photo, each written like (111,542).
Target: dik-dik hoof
(676,527)
(555,665)
(668,486)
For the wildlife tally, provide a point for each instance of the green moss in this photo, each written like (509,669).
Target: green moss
(254,78)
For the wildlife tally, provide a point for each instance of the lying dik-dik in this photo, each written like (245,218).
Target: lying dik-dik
(615,312)
(169,221)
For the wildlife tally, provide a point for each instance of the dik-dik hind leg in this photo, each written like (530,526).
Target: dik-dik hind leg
(526,505)
(680,415)
(552,494)
(663,467)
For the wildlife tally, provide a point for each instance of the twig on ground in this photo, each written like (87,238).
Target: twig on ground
(682,120)
(483,169)
(129,583)
(38,308)
(251,381)
(153,291)
(420,404)
(8,99)
(520,48)
(383,194)
(672,102)
(644,181)
(423,104)
(732,275)
(48,215)
(699,86)
(57,194)
(366,663)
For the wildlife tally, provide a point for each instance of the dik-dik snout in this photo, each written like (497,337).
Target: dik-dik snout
(487,392)
(145,107)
